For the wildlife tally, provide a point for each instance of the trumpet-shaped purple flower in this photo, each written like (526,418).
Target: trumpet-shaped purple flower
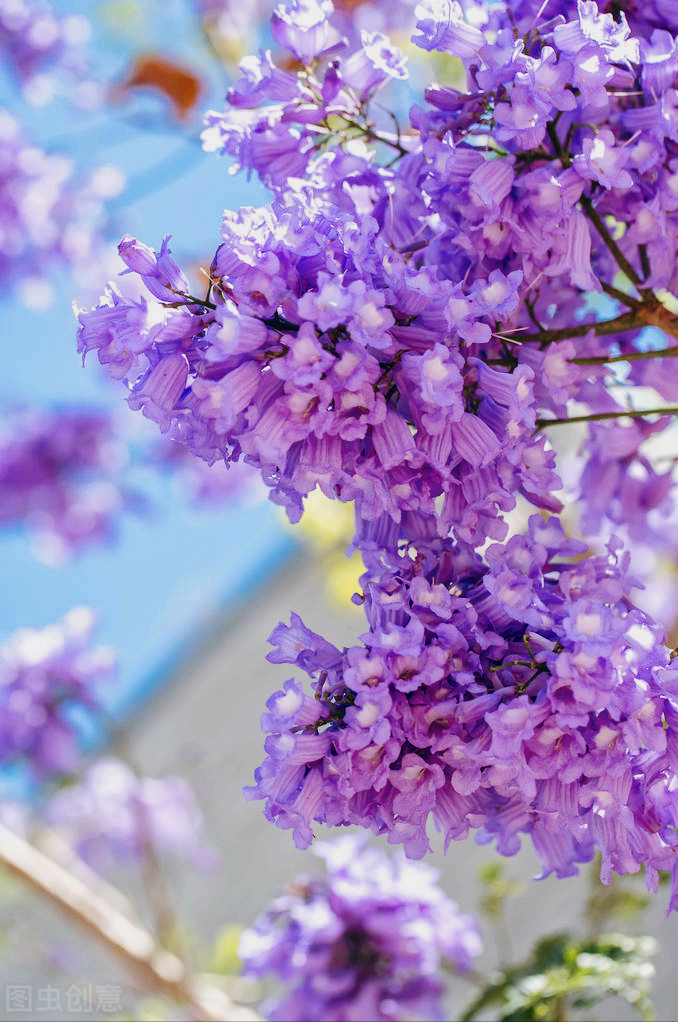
(367,941)
(45,675)
(303,28)
(519,694)
(373,65)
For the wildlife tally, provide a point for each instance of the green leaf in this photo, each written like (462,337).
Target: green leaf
(563,972)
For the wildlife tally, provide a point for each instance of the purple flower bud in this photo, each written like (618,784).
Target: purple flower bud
(303,28)
(374,64)
(137,256)
(441,26)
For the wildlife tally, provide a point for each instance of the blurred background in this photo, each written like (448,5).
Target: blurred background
(187,571)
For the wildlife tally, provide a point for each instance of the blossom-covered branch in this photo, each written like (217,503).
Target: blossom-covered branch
(399,333)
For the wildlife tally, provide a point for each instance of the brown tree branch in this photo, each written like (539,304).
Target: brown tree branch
(106,915)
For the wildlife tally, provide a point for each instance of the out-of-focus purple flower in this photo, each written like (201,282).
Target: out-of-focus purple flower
(58,472)
(49,219)
(219,484)
(45,50)
(111,815)
(367,942)
(45,676)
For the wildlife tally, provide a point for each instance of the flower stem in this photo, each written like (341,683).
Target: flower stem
(620,324)
(632,414)
(621,260)
(648,313)
(631,356)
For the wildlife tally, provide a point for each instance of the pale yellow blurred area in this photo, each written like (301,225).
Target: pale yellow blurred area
(327,527)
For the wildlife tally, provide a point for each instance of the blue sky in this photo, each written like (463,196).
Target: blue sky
(171,575)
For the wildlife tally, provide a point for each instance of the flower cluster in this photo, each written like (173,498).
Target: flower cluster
(366,942)
(45,52)
(520,693)
(48,677)
(56,478)
(49,218)
(111,815)
(401,328)
(396,314)
(339,390)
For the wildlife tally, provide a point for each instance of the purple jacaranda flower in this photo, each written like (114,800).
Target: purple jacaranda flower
(330,306)
(303,27)
(46,676)
(603,162)
(111,815)
(572,253)
(60,479)
(296,644)
(438,396)
(51,218)
(660,62)
(491,182)
(498,295)
(157,394)
(158,270)
(551,75)
(262,80)
(441,26)
(120,331)
(234,333)
(612,35)
(620,483)
(398,328)
(373,65)
(566,668)
(367,941)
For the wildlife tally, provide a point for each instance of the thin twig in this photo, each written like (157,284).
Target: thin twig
(86,900)
(630,356)
(620,258)
(632,414)
(650,313)
(621,296)
(620,324)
